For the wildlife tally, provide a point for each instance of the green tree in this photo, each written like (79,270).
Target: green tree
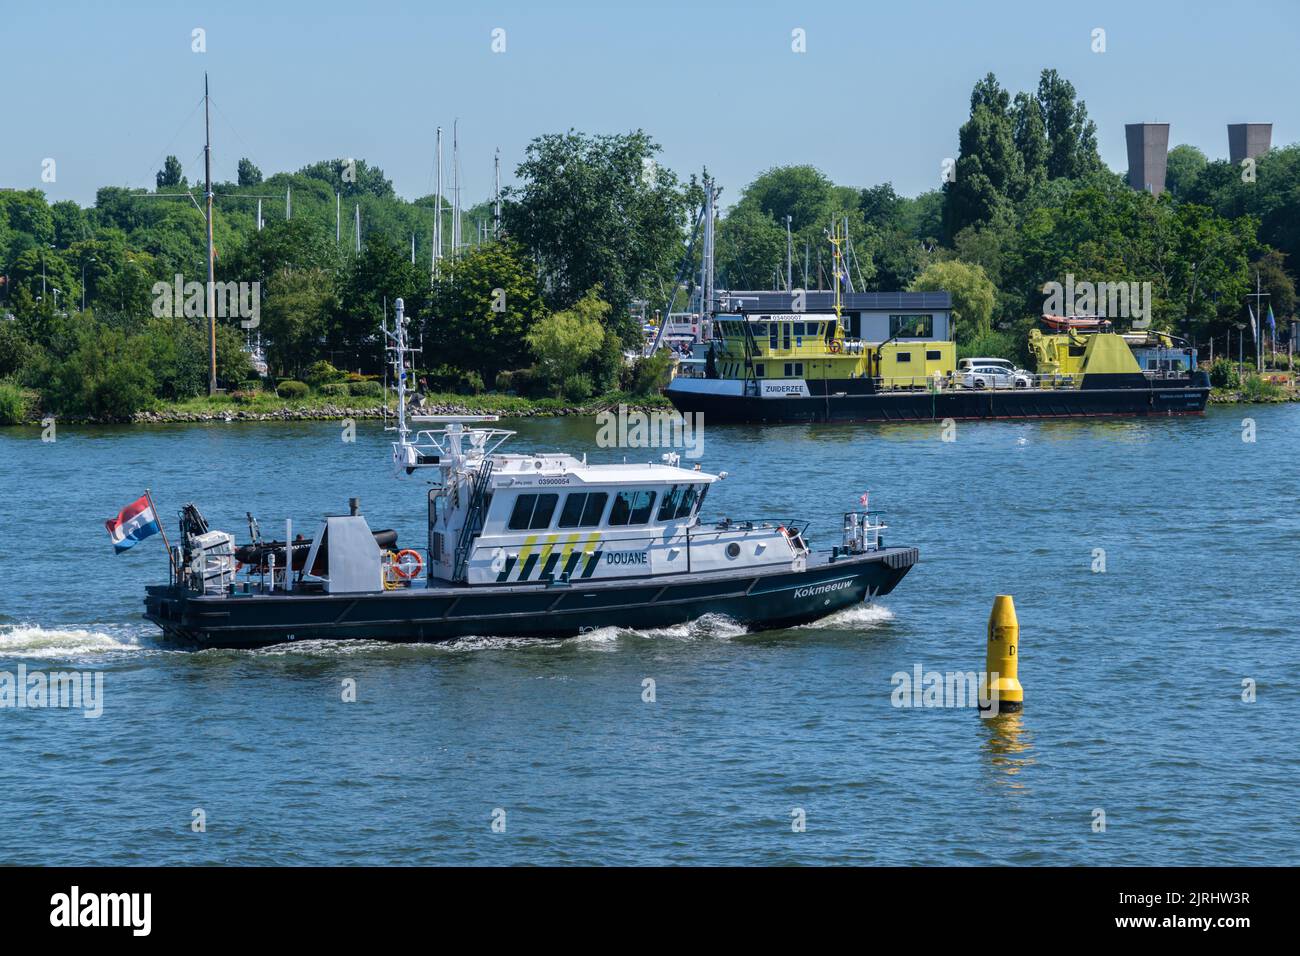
(296,318)
(102,378)
(1184,164)
(973,295)
(566,341)
(248,174)
(597,210)
(381,274)
(484,304)
(1030,135)
(1071,136)
(750,249)
(171,176)
(990,172)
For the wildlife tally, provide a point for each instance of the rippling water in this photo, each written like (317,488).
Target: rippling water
(1133,677)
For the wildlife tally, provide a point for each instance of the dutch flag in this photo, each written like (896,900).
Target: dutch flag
(133,523)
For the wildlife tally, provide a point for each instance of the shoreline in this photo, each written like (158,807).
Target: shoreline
(223,409)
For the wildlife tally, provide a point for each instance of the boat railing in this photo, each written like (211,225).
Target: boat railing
(862,532)
(938,382)
(794,525)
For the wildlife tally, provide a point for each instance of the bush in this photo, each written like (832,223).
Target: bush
(577,388)
(1223,374)
(520,381)
(990,345)
(13,404)
(292,389)
(365,388)
(445,378)
(647,375)
(1256,389)
(323,373)
(15,352)
(334,388)
(102,378)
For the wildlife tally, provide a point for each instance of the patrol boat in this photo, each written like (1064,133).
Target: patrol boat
(523,545)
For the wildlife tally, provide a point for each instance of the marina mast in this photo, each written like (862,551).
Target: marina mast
(437,212)
(455,187)
(496,207)
(212,278)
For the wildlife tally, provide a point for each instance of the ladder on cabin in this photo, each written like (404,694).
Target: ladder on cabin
(473,519)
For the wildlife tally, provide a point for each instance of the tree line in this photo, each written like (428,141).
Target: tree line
(543,305)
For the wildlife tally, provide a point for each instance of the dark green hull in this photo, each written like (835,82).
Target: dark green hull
(755,599)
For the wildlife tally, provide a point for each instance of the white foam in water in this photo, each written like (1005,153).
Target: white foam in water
(860,617)
(30,641)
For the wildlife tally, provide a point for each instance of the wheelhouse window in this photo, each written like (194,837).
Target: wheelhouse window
(678,503)
(532,512)
(759,368)
(911,326)
(933,355)
(582,509)
(903,357)
(631,507)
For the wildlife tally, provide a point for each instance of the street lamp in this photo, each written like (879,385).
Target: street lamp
(83,281)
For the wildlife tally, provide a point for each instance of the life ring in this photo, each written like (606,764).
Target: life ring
(402,569)
(836,346)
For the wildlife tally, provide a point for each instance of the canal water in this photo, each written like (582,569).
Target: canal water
(1153,565)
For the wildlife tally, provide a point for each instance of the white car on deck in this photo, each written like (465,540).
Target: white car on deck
(1002,375)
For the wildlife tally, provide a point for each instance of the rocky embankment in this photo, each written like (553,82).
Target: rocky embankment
(339,412)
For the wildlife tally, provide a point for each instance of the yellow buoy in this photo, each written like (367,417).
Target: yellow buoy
(1001,661)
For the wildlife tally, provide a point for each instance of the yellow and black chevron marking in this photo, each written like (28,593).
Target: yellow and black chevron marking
(544,558)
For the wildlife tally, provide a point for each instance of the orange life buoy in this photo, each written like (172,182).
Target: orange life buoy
(407,563)
(400,568)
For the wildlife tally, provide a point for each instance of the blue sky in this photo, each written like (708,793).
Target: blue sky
(108,89)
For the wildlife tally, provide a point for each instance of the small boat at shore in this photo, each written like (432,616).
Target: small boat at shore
(519,545)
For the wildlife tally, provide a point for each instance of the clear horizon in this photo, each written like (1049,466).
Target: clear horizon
(878,96)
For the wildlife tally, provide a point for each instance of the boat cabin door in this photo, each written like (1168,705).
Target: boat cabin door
(436,555)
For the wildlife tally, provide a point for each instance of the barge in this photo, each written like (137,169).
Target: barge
(803,367)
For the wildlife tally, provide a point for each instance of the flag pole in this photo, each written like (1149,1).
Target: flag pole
(162,527)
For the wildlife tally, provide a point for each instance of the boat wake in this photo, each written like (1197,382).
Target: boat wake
(860,617)
(26,641)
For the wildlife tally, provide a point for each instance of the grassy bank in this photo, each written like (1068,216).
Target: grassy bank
(260,406)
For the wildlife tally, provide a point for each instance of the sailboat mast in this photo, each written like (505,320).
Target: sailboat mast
(496,207)
(455,187)
(437,213)
(212,257)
